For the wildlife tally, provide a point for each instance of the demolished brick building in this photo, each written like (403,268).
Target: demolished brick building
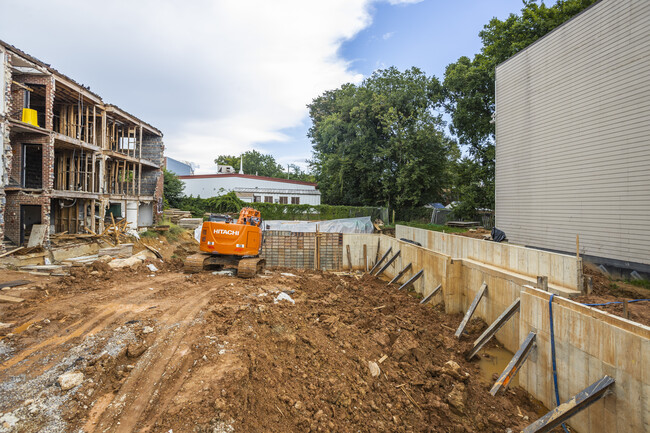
(70,161)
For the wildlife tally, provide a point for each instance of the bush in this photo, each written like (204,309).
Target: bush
(230,203)
(149,234)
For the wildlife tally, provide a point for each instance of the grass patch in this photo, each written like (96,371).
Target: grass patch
(434,227)
(149,234)
(174,232)
(645,284)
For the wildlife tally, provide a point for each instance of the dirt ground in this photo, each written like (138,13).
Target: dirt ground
(608,290)
(167,352)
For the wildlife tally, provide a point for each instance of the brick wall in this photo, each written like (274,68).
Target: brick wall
(12,212)
(47,144)
(297,250)
(153,148)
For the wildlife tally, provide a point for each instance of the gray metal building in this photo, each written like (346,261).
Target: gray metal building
(573,137)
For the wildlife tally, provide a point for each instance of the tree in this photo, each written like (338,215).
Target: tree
(172,189)
(381,142)
(469,85)
(254,163)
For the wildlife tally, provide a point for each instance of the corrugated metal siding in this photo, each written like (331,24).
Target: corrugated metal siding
(573,136)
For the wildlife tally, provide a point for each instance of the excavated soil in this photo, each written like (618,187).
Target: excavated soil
(165,352)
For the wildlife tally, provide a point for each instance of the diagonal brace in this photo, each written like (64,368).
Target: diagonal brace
(388,263)
(413,279)
(431,295)
(381,260)
(471,310)
(515,364)
(493,328)
(400,275)
(577,403)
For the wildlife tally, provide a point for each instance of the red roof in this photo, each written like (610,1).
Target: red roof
(247,176)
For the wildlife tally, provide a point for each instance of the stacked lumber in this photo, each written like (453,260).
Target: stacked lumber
(190,223)
(175,215)
(120,251)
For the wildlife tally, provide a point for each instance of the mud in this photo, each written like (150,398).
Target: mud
(211,353)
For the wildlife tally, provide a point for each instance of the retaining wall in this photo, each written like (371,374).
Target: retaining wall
(562,270)
(589,342)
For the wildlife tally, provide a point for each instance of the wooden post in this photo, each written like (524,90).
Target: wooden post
(349,256)
(139,179)
(590,285)
(542,283)
(365,256)
(626,310)
(577,246)
(317,252)
(140,144)
(92,215)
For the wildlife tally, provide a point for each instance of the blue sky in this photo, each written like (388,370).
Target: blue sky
(223,77)
(430,35)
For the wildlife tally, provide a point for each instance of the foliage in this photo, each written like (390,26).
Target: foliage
(254,163)
(641,283)
(433,227)
(174,231)
(172,189)
(380,142)
(264,165)
(469,91)
(230,203)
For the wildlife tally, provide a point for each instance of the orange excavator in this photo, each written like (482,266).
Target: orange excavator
(229,244)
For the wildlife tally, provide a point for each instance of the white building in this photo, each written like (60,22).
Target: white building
(573,137)
(251,188)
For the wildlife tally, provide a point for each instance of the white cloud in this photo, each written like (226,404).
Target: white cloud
(215,76)
(387,36)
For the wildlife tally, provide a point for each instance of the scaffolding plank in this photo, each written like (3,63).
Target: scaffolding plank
(471,310)
(413,279)
(574,405)
(515,364)
(388,263)
(431,295)
(493,328)
(401,274)
(379,262)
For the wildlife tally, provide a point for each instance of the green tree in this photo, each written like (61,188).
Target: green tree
(254,163)
(381,142)
(172,189)
(469,87)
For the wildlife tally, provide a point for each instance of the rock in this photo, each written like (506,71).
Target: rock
(152,267)
(456,398)
(374,369)
(381,338)
(9,420)
(404,345)
(134,350)
(70,380)
(451,368)
(147,330)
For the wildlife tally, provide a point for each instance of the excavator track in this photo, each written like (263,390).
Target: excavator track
(194,263)
(248,268)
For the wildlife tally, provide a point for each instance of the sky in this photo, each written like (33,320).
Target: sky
(221,77)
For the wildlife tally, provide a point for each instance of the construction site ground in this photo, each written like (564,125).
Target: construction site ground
(167,351)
